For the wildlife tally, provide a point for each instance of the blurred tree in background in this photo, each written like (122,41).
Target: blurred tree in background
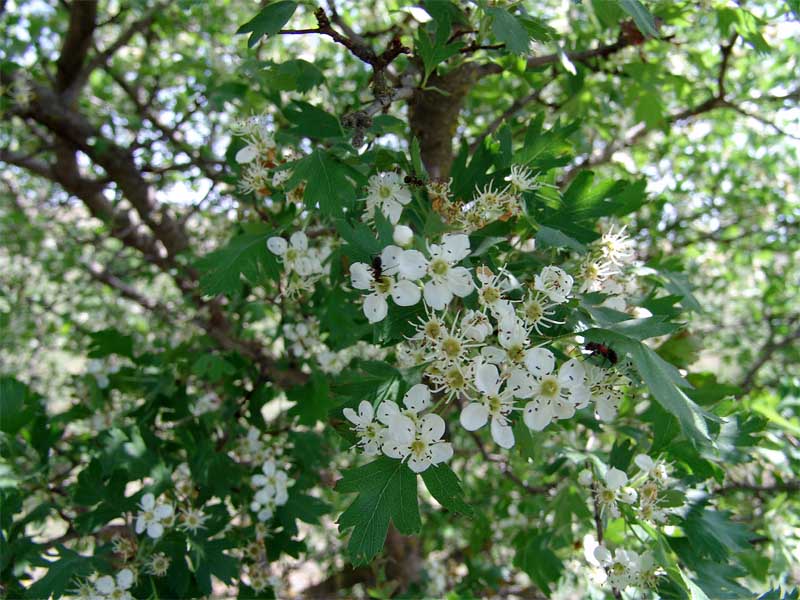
(233,235)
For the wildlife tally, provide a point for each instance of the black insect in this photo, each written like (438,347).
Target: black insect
(598,349)
(414,180)
(377,267)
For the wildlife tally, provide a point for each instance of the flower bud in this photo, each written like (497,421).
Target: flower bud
(402,235)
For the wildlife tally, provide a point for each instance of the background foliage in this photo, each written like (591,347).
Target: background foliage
(134,280)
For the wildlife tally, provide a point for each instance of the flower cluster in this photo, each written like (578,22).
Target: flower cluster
(107,587)
(623,568)
(488,204)
(305,341)
(647,487)
(403,433)
(271,490)
(302,264)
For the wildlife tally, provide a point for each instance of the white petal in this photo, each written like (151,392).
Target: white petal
(474,416)
(540,361)
(460,281)
(602,555)
(580,396)
(520,384)
(361,276)
(413,265)
(487,379)
(537,415)
(418,398)
(493,354)
(246,155)
(502,434)
(141,524)
(389,259)
(163,511)
(644,462)
(615,478)
(441,452)
(405,293)
(563,410)
(148,501)
(155,530)
(571,373)
(387,410)
(277,245)
(365,412)
(605,410)
(431,427)
(628,495)
(455,247)
(105,584)
(393,449)
(392,210)
(418,465)
(299,240)
(125,579)
(375,308)
(401,429)
(437,296)
(351,416)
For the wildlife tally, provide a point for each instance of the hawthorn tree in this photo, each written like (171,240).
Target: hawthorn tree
(440,299)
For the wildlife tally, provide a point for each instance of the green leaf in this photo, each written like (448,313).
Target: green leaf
(328,183)
(641,16)
(434,52)
(387,490)
(245,256)
(110,341)
(711,533)
(297,74)
(61,574)
(534,556)
(17,405)
(508,29)
(662,379)
(211,559)
(312,122)
(416,159)
(269,21)
(444,485)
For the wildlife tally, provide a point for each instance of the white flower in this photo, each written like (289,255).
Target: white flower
(157,564)
(537,312)
(296,255)
(402,235)
(273,483)
(617,247)
(493,403)
(369,432)
(363,277)
(605,389)
(616,490)
(554,282)
(521,179)
(625,567)
(192,519)
(153,516)
(205,403)
(446,279)
(554,396)
(116,588)
(490,294)
(425,448)
(476,325)
(387,193)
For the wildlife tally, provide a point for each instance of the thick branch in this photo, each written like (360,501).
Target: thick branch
(77,41)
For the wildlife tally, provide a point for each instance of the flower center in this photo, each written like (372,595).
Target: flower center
(607,496)
(451,347)
(439,267)
(149,516)
(433,329)
(516,353)
(490,295)
(549,387)
(534,310)
(385,192)
(418,447)
(455,380)
(495,405)
(291,254)
(383,286)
